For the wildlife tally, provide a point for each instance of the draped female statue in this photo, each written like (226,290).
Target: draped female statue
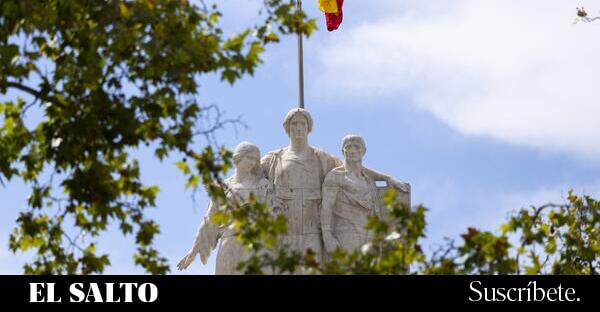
(248,179)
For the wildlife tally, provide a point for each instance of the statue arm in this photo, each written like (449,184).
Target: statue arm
(334,162)
(208,234)
(374,174)
(205,241)
(378,176)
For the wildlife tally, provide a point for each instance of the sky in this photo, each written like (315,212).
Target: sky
(484,107)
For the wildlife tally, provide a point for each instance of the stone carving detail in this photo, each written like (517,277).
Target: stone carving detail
(325,200)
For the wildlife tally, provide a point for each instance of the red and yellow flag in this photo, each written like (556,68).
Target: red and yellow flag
(333,13)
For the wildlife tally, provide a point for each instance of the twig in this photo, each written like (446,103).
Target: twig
(215,115)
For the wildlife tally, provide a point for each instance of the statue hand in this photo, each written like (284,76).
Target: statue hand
(398,185)
(187,259)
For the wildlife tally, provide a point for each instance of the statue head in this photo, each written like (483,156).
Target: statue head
(354,147)
(246,157)
(298,123)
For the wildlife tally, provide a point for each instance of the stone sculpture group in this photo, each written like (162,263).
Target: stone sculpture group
(326,200)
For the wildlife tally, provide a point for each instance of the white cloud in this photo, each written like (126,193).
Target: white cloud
(518,71)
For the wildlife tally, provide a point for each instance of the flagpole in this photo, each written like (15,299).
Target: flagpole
(300,63)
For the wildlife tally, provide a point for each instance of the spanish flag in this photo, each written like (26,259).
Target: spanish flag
(333,13)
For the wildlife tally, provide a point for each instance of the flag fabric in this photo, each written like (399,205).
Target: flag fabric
(333,13)
(328,6)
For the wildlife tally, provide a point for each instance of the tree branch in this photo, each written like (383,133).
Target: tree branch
(24,88)
(37,94)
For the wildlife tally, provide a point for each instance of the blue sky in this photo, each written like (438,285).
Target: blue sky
(484,107)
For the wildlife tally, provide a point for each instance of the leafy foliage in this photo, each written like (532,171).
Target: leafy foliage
(550,239)
(108,77)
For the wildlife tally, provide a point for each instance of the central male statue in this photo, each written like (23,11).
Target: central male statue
(297,173)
